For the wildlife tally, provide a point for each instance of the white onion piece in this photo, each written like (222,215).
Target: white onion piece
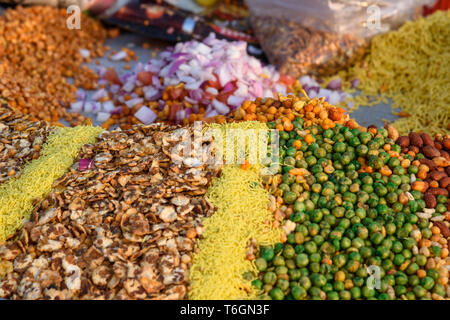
(85,53)
(88,106)
(128,86)
(212,91)
(145,115)
(103,116)
(131,103)
(221,108)
(119,56)
(235,100)
(108,106)
(77,106)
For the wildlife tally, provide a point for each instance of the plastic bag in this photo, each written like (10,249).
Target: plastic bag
(320,37)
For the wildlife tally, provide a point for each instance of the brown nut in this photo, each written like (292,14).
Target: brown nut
(392,132)
(403,141)
(441,162)
(415,139)
(445,155)
(427,140)
(429,163)
(438,191)
(444,183)
(445,231)
(446,143)
(437,175)
(431,151)
(430,200)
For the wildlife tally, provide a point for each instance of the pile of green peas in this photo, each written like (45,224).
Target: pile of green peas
(345,222)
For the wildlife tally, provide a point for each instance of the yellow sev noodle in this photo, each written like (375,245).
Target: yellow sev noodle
(242,214)
(412,67)
(57,155)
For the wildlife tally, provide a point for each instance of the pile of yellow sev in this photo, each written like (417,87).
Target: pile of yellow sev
(57,155)
(411,66)
(242,214)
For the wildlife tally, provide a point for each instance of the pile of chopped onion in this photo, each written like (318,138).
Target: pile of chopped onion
(212,77)
(333,93)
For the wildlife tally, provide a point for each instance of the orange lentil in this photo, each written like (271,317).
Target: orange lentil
(297,144)
(309,139)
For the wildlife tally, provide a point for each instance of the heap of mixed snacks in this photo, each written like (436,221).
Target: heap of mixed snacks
(407,65)
(122,228)
(192,81)
(353,199)
(31,181)
(39,53)
(20,141)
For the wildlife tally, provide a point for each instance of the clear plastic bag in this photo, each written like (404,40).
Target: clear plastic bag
(321,37)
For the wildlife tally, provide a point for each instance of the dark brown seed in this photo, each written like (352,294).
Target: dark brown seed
(438,191)
(430,200)
(444,183)
(403,141)
(437,175)
(427,140)
(445,231)
(415,139)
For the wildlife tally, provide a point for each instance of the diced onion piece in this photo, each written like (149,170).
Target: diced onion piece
(103,116)
(145,115)
(85,53)
(85,164)
(119,56)
(131,103)
(108,106)
(99,94)
(221,108)
(335,84)
(77,106)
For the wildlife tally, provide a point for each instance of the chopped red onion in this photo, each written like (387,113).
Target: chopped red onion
(99,94)
(150,93)
(81,95)
(212,113)
(235,100)
(355,83)
(85,164)
(117,110)
(335,84)
(229,87)
(161,104)
(145,115)
(88,106)
(196,94)
(214,67)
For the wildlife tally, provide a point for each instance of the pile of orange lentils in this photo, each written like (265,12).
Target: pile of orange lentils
(286,108)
